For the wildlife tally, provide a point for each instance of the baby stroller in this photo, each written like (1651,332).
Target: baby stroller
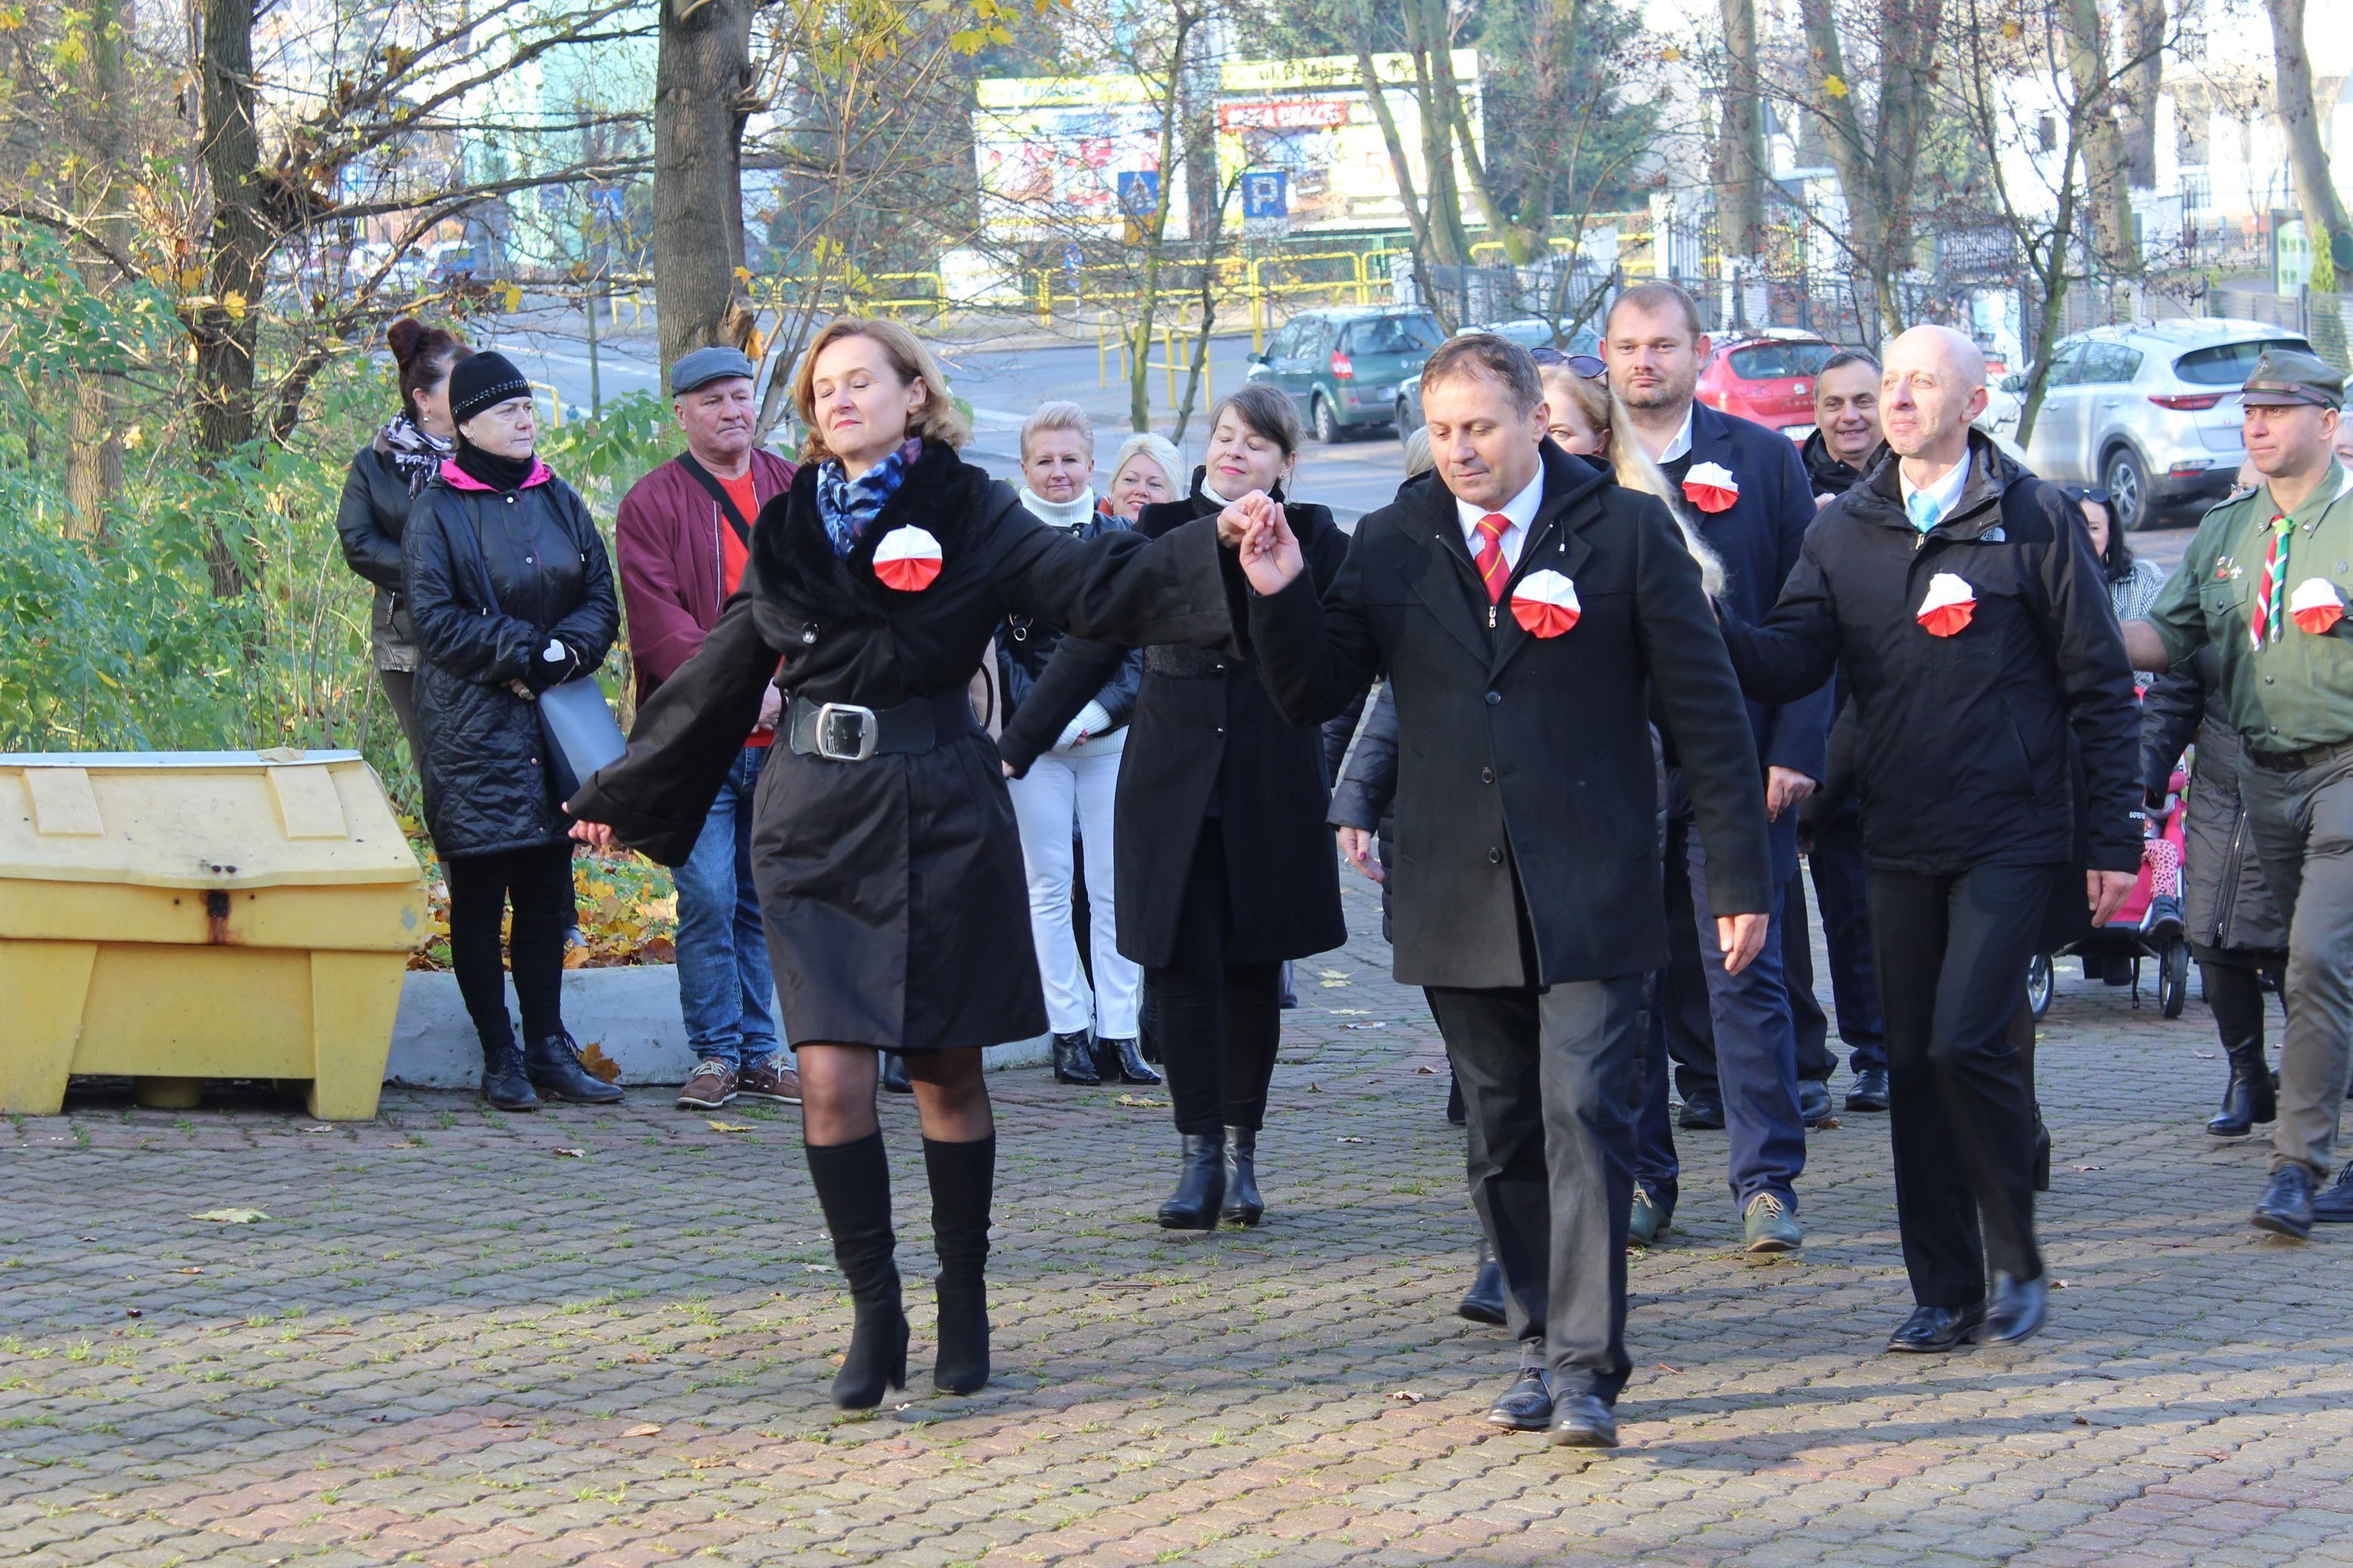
(2148,926)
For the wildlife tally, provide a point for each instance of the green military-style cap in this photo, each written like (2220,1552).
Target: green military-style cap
(2285,377)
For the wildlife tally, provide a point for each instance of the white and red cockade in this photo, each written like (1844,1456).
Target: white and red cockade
(2316,606)
(1950,603)
(1546,603)
(1710,487)
(908,559)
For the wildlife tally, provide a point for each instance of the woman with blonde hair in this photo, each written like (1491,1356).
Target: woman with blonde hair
(1145,472)
(1583,419)
(884,845)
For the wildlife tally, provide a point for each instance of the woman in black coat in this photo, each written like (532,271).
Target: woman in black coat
(386,476)
(884,847)
(510,593)
(2233,925)
(1225,868)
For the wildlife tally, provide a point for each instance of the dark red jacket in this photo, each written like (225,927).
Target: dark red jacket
(667,538)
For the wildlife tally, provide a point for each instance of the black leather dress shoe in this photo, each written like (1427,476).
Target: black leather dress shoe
(2286,1208)
(894,1074)
(1484,1302)
(2015,1310)
(1930,1330)
(1582,1421)
(2334,1206)
(1813,1102)
(1702,1113)
(1869,1091)
(1527,1405)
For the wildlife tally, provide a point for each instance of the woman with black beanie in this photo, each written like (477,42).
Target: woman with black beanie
(510,593)
(386,476)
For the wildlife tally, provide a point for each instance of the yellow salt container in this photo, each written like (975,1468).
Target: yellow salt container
(178,916)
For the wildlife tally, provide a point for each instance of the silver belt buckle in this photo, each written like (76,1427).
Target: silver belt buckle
(845,731)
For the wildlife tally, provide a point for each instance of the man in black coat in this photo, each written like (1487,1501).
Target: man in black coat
(1525,608)
(1746,493)
(1846,432)
(1973,619)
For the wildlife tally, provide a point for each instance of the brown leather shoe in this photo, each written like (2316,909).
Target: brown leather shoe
(712,1086)
(770,1079)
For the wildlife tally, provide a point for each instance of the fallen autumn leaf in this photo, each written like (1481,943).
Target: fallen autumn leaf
(230,1216)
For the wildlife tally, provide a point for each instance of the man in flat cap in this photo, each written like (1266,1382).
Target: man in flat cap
(2268,581)
(682,536)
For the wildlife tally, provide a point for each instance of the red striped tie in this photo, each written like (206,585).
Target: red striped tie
(1493,571)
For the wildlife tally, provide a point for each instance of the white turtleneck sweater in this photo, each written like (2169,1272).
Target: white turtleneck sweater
(1094,717)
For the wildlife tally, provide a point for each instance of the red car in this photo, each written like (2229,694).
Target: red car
(1768,378)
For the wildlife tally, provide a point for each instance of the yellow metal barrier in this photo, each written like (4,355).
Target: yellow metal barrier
(554,402)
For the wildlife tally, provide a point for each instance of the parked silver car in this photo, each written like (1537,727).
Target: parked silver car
(2148,412)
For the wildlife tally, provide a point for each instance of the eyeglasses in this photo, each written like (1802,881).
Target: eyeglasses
(1585,365)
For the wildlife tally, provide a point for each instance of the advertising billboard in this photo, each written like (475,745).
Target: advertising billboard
(1069,156)
(1313,119)
(1056,153)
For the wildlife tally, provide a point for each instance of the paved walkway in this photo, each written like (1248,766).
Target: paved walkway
(604,1338)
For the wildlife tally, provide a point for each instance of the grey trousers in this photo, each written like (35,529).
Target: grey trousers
(400,690)
(1552,1082)
(2303,824)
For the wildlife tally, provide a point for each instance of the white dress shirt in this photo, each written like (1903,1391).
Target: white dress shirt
(1520,511)
(1946,492)
(1681,445)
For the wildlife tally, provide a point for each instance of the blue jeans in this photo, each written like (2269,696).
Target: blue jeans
(1755,1048)
(724,979)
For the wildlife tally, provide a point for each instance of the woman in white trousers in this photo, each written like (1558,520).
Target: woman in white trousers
(1061,751)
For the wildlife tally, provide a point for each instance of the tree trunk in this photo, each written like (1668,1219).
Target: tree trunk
(2104,192)
(1740,140)
(225,328)
(703,72)
(1155,237)
(94,449)
(1433,65)
(2323,216)
(2144,76)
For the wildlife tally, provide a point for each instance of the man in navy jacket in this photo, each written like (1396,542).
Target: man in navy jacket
(1746,489)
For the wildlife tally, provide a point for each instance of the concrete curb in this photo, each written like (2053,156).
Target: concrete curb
(630,1013)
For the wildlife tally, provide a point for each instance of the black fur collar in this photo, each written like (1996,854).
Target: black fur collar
(801,575)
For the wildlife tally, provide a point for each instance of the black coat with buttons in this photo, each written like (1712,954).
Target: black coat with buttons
(891,890)
(1205,730)
(486,784)
(1528,789)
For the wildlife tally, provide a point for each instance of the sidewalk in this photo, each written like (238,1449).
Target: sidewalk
(603,1338)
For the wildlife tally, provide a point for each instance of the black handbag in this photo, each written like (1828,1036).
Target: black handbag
(577,727)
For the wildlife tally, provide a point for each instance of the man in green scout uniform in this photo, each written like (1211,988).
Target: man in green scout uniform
(2268,582)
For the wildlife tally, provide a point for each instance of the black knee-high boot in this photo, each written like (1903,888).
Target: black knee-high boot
(853,1187)
(963,1178)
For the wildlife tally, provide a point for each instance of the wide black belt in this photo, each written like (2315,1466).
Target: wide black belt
(850,732)
(2296,762)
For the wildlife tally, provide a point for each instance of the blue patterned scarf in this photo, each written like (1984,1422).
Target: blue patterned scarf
(848,505)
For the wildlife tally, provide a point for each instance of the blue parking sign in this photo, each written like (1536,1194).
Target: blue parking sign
(1267,193)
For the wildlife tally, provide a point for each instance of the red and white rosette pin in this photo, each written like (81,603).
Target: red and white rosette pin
(908,559)
(1710,487)
(1546,603)
(1950,603)
(2316,606)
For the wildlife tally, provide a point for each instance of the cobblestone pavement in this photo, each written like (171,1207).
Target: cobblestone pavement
(604,1337)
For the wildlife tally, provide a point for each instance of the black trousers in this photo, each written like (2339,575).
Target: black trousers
(1950,950)
(1216,1023)
(539,883)
(1552,1084)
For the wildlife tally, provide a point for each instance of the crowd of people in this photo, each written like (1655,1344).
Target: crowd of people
(941,763)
